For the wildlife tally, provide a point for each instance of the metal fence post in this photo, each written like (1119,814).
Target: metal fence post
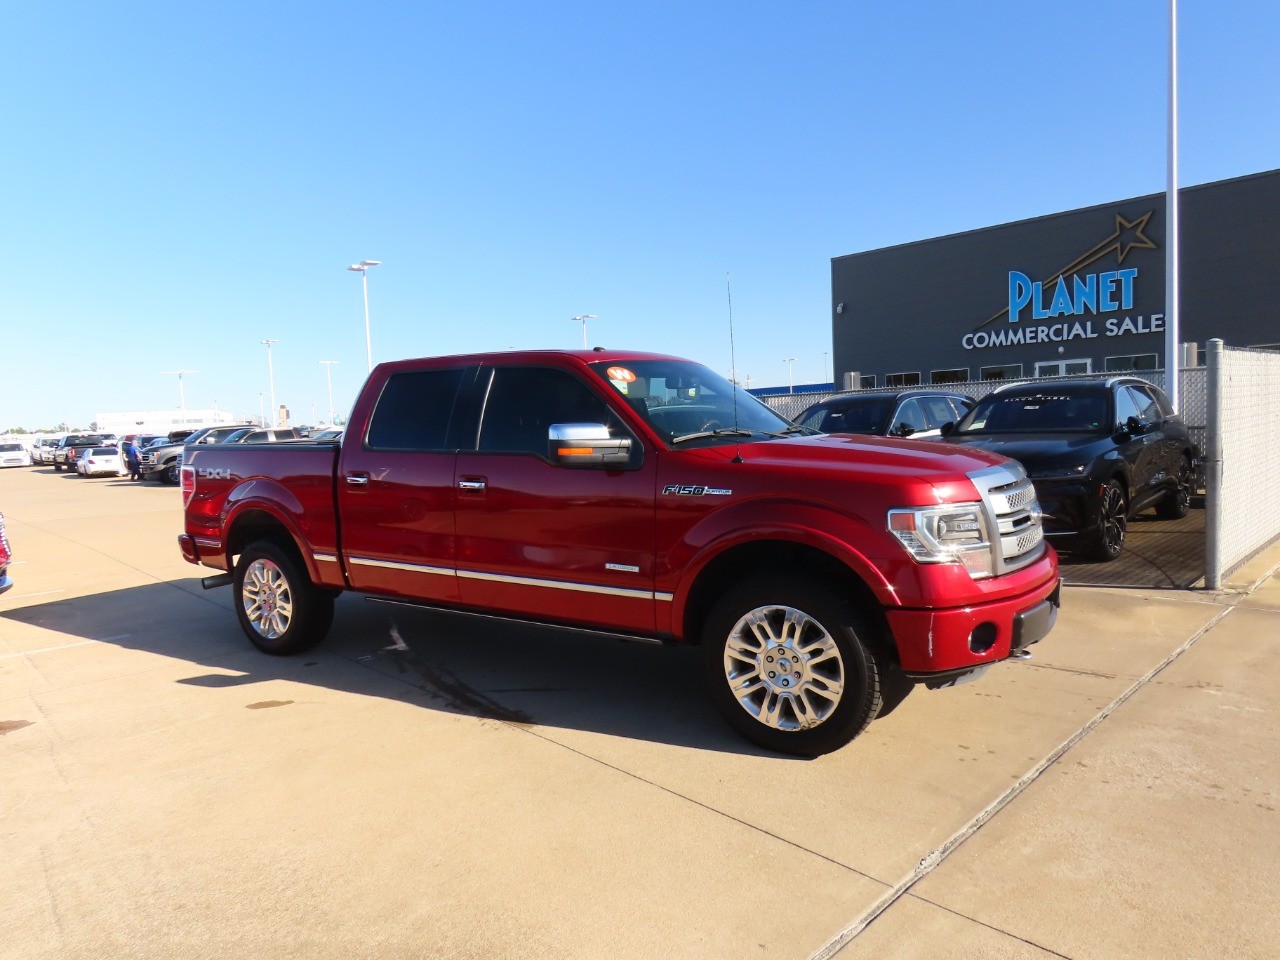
(1213,467)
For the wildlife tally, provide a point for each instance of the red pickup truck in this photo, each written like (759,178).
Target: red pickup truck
(644,496)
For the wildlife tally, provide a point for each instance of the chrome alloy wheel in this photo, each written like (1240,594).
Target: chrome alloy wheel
(267,598)
(784,668)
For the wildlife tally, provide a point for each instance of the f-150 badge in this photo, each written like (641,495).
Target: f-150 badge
(687,490)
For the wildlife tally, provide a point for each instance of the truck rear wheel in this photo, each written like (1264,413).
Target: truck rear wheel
(791,666)
(280,610)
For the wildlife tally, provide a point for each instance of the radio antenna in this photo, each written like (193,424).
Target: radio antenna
(733,363)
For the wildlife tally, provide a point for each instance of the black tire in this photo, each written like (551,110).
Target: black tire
(280,610)
(1105,541)
(172,473)
(1177,504)
(57,468)
(792,616)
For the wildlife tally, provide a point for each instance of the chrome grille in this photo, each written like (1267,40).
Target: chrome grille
(1013,513)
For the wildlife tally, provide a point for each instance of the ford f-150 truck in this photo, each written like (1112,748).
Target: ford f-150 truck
(644,496)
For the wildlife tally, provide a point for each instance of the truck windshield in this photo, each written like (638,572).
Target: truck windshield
(687,403)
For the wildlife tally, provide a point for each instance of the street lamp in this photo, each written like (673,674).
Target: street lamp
(182,393)
(362,268)
(328,375)
(790,385)
(271,375)
(584,318)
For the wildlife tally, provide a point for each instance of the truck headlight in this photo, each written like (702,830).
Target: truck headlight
(950,533)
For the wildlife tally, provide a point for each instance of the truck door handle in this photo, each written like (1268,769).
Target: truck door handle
(471,484)
(357,479)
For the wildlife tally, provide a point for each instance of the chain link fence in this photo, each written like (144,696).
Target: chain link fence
(1242,457)
(1194,385)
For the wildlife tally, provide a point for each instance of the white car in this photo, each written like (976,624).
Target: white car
(14,455)
(101,460)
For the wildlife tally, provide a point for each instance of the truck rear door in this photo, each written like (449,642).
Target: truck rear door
(395,491)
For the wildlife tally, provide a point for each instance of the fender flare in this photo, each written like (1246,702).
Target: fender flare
(275,500)
(824,538)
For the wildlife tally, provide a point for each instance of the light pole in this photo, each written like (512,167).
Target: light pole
(583,318)
(271,376)
(182,393)
(362,268)
(328,375)
(790,384)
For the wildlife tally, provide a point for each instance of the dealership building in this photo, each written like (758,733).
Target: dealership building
(1068,293)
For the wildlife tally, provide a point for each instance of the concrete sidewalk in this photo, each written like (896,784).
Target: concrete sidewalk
(424,785)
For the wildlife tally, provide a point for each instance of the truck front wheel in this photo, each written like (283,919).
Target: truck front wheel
(280,609)
(791,666)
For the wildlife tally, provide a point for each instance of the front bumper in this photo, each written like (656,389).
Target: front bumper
(959,639)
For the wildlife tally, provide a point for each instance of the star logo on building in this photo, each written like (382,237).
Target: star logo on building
(1128,235)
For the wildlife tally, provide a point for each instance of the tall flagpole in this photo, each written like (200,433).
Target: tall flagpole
(1171,312)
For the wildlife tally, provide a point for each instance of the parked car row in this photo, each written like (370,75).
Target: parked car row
(163,461)
(1098,452)
(160,456)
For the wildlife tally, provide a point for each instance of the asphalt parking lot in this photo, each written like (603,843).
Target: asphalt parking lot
(424,785)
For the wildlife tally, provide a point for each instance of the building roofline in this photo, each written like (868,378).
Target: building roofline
(1054,216)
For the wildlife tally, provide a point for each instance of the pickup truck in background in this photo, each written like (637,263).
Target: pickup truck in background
(647,497)
(163,461)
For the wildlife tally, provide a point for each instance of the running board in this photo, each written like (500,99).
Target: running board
(612,634)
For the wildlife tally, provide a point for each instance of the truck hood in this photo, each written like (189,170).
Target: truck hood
(878,457)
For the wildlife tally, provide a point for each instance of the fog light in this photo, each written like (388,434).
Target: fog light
(983,637)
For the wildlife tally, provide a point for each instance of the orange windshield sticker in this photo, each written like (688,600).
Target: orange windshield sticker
(621,374)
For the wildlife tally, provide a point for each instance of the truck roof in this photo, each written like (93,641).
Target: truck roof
(594,355)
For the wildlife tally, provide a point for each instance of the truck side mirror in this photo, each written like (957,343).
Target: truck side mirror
(904,429)
(947,428)
(587,445)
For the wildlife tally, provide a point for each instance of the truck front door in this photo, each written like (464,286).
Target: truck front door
(570,544)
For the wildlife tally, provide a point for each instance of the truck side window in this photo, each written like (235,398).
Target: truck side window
(414,411)
(524,401)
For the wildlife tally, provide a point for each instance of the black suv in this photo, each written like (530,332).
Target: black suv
(1098,452)
(893,413)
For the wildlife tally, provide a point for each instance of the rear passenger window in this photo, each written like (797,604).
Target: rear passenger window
(1126,406)
(1148,409)
(1149,403)
(414,411)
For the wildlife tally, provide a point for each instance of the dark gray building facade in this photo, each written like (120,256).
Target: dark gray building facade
(1075,292)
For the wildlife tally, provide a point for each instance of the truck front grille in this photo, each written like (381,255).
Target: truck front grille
(1013,514)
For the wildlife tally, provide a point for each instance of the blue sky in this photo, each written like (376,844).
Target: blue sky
(184,180)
